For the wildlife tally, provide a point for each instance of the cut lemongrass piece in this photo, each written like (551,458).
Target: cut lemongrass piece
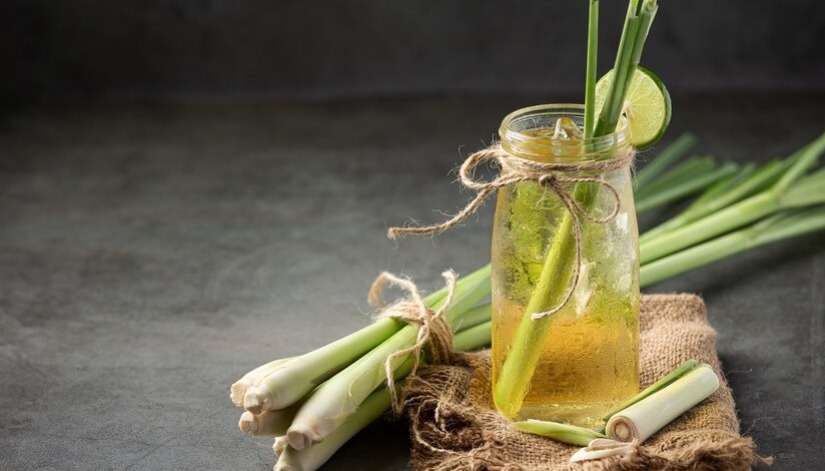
(641,420)
(680,371)
(603,448)
(560,432)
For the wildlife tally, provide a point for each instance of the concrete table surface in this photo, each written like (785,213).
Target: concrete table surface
(152,254)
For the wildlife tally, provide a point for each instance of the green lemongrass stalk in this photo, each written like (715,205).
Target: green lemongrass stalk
(680,371)
(714,192)
(664,159)
(778,227)
(638,20)
(686,188)
(715,199)
(647,11)
(724,185)
(692,168)
(641,420)
(293,380)
(778,197)
(340,395)
(476,336)
(592,66)
(475,316)
(614,102)
(560,432)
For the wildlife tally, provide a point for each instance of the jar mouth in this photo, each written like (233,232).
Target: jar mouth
(519,137)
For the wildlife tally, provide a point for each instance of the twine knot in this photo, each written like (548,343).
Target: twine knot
(433,329)
(552,176)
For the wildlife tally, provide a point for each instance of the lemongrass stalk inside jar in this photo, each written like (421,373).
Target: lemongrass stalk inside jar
(565,294)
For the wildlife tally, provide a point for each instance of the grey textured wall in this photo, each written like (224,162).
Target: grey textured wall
(361,47)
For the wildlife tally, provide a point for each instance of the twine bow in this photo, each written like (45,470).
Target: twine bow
(433,329)
(549,175)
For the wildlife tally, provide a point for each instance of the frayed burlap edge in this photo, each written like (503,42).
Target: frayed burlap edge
(454,427)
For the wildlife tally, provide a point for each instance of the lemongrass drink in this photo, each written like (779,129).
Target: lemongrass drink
(576,365)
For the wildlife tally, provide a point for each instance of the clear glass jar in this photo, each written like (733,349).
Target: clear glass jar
(577,364)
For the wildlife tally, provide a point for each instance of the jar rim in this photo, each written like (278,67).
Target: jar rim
(542,148)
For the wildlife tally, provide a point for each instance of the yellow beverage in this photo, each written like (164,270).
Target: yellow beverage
(588,365)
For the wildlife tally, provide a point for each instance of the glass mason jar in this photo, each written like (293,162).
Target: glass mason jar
(576,365)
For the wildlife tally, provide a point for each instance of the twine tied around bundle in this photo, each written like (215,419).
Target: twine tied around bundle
(552,176)
(433,329)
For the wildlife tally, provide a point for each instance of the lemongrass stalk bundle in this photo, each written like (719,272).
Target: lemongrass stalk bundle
(747,183)
(778,227)
(339,397)
(788,192)
(564,433)
(646,417)
(372,407)
(290,381)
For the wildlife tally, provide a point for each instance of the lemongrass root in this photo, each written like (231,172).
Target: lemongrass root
(238,390)
(641,420)
(269,423)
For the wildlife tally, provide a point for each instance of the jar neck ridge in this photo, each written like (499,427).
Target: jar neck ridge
(529,133)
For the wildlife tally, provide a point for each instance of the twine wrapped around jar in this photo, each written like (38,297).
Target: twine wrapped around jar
(553,176)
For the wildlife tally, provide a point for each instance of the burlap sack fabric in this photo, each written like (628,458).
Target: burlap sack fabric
(455,427)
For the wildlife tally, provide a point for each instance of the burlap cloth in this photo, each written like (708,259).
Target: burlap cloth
(454,426)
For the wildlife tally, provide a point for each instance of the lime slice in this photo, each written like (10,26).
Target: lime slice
(646,106)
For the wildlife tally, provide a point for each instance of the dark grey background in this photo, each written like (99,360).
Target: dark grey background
(288,48)
(152,251)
